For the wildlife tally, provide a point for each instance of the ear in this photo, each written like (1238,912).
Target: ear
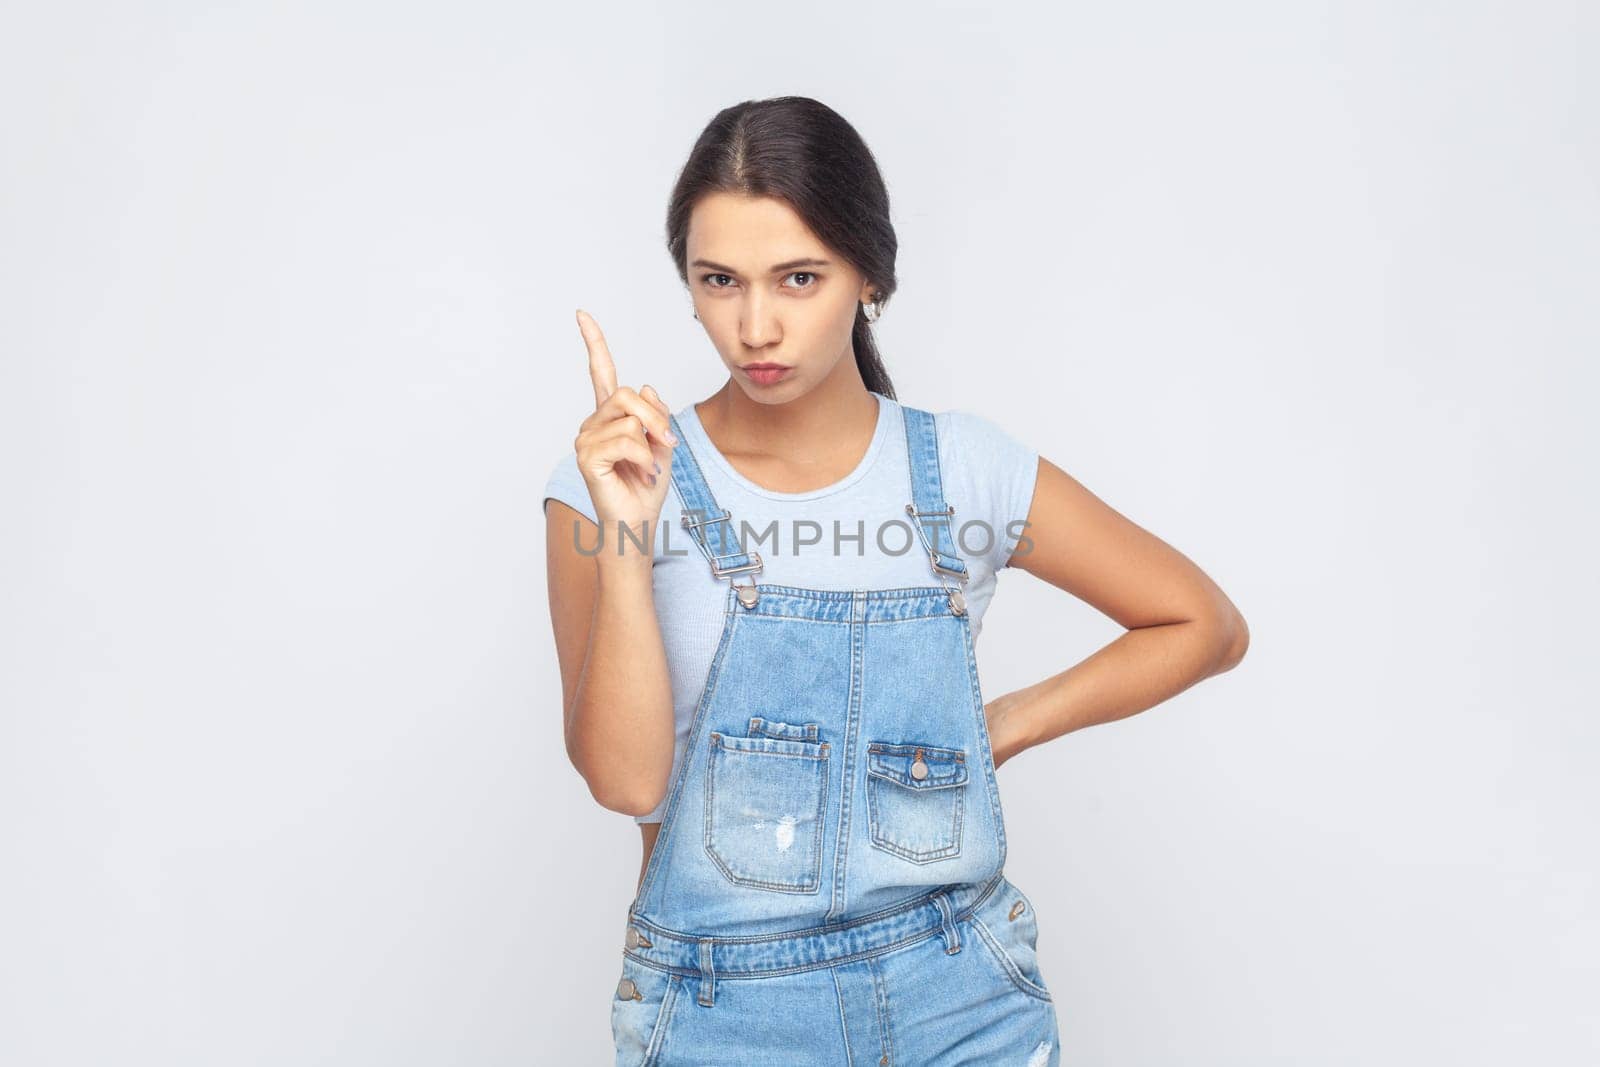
(865,296)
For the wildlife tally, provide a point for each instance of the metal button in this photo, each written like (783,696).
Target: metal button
(628,991)
(633,938)
(919,769)
(1016,909)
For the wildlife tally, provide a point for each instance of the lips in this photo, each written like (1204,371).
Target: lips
(764,373)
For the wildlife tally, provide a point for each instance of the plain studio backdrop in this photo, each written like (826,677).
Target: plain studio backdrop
(286,316)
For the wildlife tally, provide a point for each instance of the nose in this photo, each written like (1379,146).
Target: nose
(758,324)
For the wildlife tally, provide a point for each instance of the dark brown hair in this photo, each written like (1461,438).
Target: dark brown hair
(800,151)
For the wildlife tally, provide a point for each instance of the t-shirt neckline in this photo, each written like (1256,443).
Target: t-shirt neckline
(705,451)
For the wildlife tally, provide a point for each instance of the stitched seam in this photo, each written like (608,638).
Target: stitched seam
(658,1030)
(990,777)
(778,972)
(890,911)
(759,745)
(844,1022)
(882,992)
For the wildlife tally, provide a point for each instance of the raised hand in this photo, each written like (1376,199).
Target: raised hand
(625,447)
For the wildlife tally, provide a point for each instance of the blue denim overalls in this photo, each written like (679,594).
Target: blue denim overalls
(826,887)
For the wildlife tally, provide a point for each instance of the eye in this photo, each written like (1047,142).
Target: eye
(708,277)
(804,274)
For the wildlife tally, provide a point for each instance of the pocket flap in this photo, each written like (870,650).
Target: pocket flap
(946,766)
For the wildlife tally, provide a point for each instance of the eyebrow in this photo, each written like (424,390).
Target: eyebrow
(787,265)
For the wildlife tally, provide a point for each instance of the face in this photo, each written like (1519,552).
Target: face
(768,291)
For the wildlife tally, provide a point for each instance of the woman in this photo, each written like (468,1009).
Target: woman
(782,695)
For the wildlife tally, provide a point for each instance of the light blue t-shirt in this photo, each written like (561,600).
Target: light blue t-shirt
(853,534)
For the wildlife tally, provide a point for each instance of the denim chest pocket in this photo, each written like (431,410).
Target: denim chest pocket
(916,797)
(765,796)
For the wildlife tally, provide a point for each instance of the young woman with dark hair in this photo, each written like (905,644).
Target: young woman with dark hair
(800,733)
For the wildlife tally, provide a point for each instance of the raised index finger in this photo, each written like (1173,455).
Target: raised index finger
(602,371)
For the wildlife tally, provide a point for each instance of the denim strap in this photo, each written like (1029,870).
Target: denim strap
(927,493)
(702,513)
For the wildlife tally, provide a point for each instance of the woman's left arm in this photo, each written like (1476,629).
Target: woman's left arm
(1181,628)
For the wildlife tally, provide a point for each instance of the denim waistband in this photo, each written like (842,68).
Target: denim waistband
(766,955)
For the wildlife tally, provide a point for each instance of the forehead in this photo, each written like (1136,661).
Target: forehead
(748,232)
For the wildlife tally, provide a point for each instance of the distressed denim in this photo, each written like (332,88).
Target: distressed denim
(827,885)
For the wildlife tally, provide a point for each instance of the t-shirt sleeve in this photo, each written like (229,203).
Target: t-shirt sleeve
(567,485)
(994,474)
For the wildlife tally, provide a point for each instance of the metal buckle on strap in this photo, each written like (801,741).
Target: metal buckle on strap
(933,554)
(748,594)
(689,524)
(720,571)
(958,601)
(933,557)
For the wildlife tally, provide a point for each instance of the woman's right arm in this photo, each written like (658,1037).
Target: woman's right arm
(615,689)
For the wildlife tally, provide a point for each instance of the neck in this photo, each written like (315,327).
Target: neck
(811,430)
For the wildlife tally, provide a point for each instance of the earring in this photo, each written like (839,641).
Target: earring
(872,312)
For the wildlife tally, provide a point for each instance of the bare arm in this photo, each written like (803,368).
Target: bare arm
(1181,627)
(616,692)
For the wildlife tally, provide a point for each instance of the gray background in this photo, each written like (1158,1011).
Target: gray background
(287,321)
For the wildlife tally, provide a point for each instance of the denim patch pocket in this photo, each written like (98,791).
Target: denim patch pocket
(764,808)
(916,796)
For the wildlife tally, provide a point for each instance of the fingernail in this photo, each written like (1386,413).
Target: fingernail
(652,479)
(672,438)
(658,468)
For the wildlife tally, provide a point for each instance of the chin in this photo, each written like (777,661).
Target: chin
(781,393)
